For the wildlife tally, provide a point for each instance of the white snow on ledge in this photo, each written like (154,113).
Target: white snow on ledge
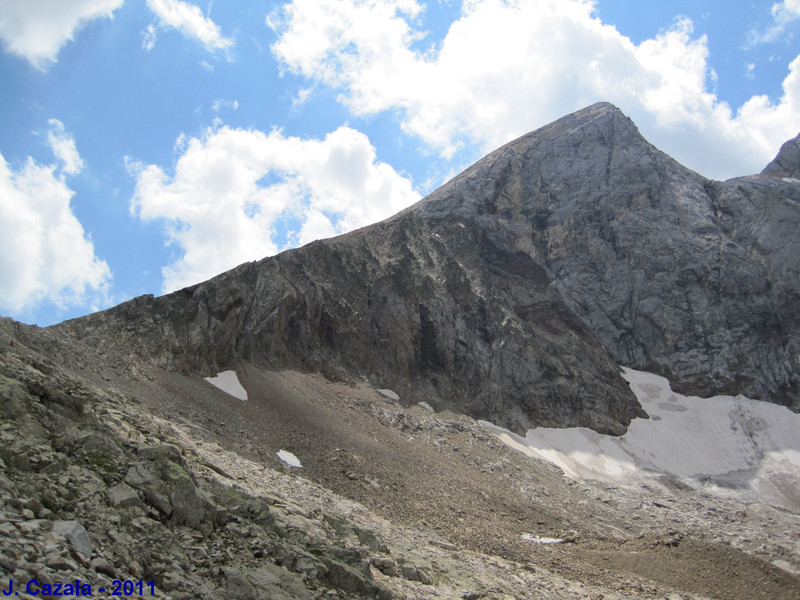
(229,383)
(391,394)
(529,537)
(729,445)
(290,459)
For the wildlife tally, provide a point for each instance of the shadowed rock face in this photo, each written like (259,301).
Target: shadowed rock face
(511,292)
(429,307)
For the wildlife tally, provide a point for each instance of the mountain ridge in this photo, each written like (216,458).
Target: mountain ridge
(640,215)
(513,291)
(510,296)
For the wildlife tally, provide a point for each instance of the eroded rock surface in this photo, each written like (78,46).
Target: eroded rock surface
(694,279)
(512,292)
(166,479)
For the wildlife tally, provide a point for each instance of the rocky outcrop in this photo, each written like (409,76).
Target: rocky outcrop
(430,307)
(693,279)
(787,163)
(512,292)
(94,492)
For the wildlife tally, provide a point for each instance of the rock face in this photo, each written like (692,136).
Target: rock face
(512,292)
(693,279)
(787,163)
(429,307)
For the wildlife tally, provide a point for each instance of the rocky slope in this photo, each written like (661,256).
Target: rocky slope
(159,477)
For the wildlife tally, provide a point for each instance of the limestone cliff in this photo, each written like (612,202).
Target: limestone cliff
(512,292)
(690,278)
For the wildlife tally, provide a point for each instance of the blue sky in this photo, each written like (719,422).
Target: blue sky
(146,145)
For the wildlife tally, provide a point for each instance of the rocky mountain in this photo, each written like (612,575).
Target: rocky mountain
(694,279)
(127,473)
(513,294)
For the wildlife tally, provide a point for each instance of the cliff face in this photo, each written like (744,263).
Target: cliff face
(693,279)
(429,307)
(512,292)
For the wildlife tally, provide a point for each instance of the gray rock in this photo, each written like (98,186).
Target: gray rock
(694,279)
(143,478)
(60,563)
(123,496)
(512,292)
(7,486)
(101,565)
(76,535)
(238,586)
(409,572)
(787,163)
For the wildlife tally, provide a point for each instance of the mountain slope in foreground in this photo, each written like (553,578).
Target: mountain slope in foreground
(161,477)
(511,294)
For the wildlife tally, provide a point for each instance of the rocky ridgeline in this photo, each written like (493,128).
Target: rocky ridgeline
(693,279)
(430,308)
(93,489)
(512,292)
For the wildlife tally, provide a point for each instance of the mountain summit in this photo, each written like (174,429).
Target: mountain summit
(787,163)
(513,292)
(693,279)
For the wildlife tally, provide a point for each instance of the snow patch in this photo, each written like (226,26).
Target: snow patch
(426,406)
(289,458)
(729,445)
(228,382)
(528,537)
(389,394)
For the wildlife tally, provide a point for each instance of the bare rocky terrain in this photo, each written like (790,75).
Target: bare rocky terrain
(511,294)
(169,479)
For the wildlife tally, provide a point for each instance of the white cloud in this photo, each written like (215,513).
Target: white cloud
(783,14)
(63,146)
(189,20)
(507,67)
(220,103)
(36,30)
(234,190)
(149,38)
(44,252)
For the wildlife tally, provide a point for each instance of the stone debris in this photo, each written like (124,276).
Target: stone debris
(94,487)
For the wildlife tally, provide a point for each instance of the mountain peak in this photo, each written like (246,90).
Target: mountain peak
(787,162)
(512,292)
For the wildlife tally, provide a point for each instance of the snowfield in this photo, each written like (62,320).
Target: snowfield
(731,446)
(228,382)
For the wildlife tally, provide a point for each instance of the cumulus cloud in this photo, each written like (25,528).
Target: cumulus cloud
(233,190)
(507,67)
(45,254)
(189,20)
(37,30)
